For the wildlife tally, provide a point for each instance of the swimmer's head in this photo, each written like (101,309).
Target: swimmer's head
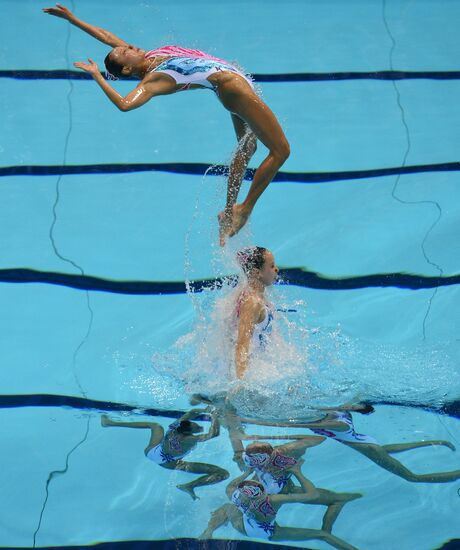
(364,408)
(257,455)
(259,447)
(124,61)
(258,263)
(187,428)
(251,489)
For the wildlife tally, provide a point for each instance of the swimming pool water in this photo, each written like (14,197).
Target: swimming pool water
(96,250)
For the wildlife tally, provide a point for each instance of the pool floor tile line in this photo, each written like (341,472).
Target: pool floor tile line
(200,169)
(294,276)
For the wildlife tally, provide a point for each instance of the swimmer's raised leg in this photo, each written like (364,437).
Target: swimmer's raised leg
(297,533)
(380,456)
(332,500)
(333,510)
(213,474)
(247,145)
(401,447)
(156,431)
(263,123)
(221,516)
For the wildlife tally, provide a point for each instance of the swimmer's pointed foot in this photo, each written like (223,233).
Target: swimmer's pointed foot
(105,421)
(448,444)
(225,224)
(240,215)
(205,535)
(188,490)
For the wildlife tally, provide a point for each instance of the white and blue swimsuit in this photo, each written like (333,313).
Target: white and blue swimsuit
(195,70)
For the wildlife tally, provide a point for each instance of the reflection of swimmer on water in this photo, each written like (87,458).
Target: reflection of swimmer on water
(338,425)
(253,313)
(168,449)
(273,468)
(272,465)
(171,69)
(253,511)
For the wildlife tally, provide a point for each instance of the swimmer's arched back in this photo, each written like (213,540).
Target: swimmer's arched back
(172,69)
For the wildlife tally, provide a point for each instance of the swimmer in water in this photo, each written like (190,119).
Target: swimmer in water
(168,449)
(253,313)
(338,425)
(170,69)
(253,512)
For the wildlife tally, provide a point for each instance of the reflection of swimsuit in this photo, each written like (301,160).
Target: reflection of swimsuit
(273,484)
(348,436)
(253,527)
(158,455)
(262,330)
(187,66)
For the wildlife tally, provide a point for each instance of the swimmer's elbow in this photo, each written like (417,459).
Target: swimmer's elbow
(124,106)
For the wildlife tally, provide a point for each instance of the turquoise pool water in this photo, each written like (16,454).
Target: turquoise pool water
(106,216)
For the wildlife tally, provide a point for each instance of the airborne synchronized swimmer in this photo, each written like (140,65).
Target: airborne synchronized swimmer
(170,69)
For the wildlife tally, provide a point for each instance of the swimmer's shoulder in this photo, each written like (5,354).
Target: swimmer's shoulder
(250,302)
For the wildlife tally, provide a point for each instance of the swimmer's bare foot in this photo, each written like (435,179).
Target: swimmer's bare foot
(225,224)
(105,421)
(188,490)
(231,221)
(240,215)
(444,444)
(205,535)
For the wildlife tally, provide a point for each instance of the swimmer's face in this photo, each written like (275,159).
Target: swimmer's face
(128,56)
(269,271)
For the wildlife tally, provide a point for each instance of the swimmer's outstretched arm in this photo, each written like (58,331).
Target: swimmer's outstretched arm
(214,430)
(218,518)
(192,414)
(310,492)
(233,485)
(102,35)
(135,99)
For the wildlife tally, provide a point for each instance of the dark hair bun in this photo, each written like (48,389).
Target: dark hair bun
(251,257)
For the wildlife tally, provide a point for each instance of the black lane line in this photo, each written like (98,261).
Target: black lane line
(292,276)
(59,74)
(453,544)
(166,544)
(199,169)
(80,403)
(451,408)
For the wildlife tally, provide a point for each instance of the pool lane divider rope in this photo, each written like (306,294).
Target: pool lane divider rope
(200,169)
(61,74)
(451,408)
(294,276)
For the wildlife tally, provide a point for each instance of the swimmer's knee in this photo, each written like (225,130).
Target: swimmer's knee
(282,152)
(224,474)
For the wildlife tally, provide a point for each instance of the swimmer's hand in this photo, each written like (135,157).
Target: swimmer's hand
(297,467)
(60,11)
(90,67)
